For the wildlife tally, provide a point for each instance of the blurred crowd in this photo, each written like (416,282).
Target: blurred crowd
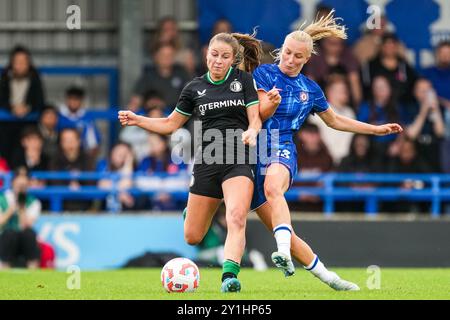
(371,81)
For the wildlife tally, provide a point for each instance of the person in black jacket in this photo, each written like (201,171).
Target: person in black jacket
(21,93)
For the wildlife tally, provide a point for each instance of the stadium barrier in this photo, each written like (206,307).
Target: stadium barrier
(330,187)
(105,241)
(97,242)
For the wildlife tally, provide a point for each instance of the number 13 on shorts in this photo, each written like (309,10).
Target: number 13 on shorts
(284,153)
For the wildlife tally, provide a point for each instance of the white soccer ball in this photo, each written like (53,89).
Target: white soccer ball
(180,275)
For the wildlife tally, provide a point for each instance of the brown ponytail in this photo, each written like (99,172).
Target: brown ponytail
(247,49)
(251,52)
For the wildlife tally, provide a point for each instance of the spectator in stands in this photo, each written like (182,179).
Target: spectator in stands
(381,108)
(424,122)
(30,155)
(48,128)
(4,168)
(18,213)
(367,47)
(335,57)
(72,158)
(121,160)
(222,25)
(154,100)
(138,138)
(445,147)
(408,160)
(393,66)
(165,76)
(21,93)
(439,75)
(73,115)
(21,90)
(360,159)
(159,161)
(313,157)
(337,142)
(167,32)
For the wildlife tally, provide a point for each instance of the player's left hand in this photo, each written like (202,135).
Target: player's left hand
(274,95)
(388,128)
(249,137)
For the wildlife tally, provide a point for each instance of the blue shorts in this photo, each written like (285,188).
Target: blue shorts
(285,154)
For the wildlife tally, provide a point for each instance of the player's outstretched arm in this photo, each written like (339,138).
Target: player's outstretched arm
(342,123)
(163,126)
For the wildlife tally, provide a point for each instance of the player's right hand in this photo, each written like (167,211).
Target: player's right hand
(388,128)
(128,118)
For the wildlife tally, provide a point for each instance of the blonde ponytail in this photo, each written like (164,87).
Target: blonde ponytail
(325,26)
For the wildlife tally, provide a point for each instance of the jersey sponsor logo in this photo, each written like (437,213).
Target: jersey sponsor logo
(201,93)
(236,86)
(220,104)
(303,96)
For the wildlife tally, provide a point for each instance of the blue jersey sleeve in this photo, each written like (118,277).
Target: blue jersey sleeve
(320,103)
(262,78)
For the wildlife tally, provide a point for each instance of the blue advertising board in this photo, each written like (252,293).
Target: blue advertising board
(94,242)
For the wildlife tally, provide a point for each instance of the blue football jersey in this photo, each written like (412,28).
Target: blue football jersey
(300,97)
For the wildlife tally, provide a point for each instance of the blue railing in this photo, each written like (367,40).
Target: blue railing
(144,185)
(331,188)
(372,189)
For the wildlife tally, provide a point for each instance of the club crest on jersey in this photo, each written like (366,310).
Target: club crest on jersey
(303,96)
(236,86)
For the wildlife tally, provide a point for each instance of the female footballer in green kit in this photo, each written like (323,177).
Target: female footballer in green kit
(224,98)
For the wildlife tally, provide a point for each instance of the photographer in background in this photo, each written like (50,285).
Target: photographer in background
(18,213)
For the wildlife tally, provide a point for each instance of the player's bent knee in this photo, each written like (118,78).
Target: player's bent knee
(272,191)
(236,217)
(192,238)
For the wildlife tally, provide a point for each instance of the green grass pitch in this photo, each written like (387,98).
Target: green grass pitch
(145,284)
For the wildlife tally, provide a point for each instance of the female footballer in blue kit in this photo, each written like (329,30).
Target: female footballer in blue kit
(286,99)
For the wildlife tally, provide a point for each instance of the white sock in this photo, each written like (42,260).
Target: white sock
(282,234)
(318,269)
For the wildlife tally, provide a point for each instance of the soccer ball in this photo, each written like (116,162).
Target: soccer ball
(180,275)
